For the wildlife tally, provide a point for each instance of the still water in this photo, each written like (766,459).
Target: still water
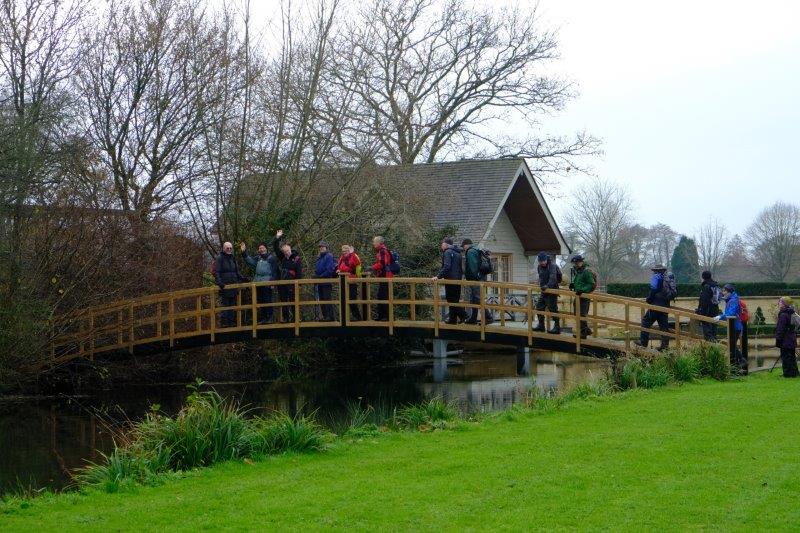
(41,441)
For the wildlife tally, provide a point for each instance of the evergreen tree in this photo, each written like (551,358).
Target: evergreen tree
(685,261)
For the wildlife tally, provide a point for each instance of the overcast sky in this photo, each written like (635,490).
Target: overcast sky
(696,102)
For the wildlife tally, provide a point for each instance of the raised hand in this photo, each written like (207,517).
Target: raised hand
(279,234)
(242,247)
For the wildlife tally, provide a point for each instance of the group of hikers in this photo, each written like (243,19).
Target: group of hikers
(466,261)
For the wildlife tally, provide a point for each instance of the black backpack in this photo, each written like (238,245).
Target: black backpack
(485,264)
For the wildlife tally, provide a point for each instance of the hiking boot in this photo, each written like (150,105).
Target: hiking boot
(539,327)
(554,331)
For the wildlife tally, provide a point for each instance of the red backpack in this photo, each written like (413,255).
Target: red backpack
(212,268)
(744,314)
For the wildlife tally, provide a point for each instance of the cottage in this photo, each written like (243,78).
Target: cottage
(497,204)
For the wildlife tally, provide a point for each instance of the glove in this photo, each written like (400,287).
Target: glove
(572,286)
(717,318)
(221,286)
(649,300)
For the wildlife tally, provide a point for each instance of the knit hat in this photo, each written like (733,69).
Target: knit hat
(729,287)
(324,243)
(706,274)
(543,256)
(577,258)
(466,242)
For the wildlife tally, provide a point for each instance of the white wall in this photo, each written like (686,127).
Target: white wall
(503,239)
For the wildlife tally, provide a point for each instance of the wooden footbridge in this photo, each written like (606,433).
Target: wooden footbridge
(416,308)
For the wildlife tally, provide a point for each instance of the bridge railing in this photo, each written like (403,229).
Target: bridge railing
(169,318)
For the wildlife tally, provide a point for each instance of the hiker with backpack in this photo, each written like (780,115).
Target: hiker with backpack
(734,308)
(289,267)
(663,290)
(786,336)
(451,269)
(384,267)
(265,265)
(549,278)
(477,265)
(708,305)
(325,267)
(350,264)
(582,281)
(226,272)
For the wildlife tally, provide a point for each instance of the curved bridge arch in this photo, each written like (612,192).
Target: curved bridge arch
(415,308)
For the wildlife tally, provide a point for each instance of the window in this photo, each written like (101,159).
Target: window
(501,268)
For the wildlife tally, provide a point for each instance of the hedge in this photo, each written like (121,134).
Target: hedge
(766,288)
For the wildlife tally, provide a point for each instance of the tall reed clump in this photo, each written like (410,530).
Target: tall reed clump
(207,430)
(432,413)
(703,360)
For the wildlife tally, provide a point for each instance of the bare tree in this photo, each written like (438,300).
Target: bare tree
(635,239)
(712,241)
(599,216)
(661,242)
(773,239)
(431,77)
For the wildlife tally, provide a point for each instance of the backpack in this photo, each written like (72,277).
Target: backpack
(594,280)
(716,295)
(394,262)
(485,262)
(669,287)
(744,314)
(212,268)
(794,321)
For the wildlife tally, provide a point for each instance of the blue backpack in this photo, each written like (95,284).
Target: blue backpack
(394,265)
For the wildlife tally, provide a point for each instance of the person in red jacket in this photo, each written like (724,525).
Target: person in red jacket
(380,269)
(348,264)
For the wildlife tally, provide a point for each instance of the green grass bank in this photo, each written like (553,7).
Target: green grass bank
(710,455)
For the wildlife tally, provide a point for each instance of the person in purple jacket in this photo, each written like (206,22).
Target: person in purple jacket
(786,337)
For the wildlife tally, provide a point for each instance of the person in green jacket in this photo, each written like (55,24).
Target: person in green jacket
(582,281)
(472,272)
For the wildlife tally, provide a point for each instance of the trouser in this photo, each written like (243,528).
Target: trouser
(550,303)
(739,362)
(584,310)
(474,297)
(286,294)
(452,293)
(355,312)
(648,320)
(383,309)
(709,331)
(264,296)
(228,298)
(789,362)
(325,290)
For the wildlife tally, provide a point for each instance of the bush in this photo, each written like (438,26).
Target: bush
(433,412)
(713,362)
(686,367)
(745,289)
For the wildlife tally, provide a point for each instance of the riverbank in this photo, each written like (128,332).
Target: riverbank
(694,456)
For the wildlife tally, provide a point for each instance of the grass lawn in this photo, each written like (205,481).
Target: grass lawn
(713,455)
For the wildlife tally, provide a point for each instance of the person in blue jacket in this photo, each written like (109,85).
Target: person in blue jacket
(658,296)
(325,268)
(732,310)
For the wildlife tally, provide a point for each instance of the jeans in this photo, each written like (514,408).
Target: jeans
(325,290)
(649,318)
(452,293)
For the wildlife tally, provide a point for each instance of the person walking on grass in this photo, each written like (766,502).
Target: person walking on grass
(325,267)
(349,263)
(786,336)
(265,265)
(227,273)
(733,310)
(290,267)
(472,272)
(549,278)
(451,270)
(708,305)
(662,292)
(583,281)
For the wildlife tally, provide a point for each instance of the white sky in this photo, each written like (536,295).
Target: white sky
(696,102)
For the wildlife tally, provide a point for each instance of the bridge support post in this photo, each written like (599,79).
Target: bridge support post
(439,370)
(439,348)
(524,361)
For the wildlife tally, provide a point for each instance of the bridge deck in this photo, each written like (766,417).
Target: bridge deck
(415,308)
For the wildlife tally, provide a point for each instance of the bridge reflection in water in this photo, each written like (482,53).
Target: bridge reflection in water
(414,307)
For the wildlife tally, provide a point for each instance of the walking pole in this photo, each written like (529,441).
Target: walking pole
(774,364)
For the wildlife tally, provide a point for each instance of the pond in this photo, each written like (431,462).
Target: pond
(42,440)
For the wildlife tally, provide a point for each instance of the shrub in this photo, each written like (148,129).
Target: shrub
(686,367)
(640,290)
(713,362)
(283,433)
(588,389)
(433,412)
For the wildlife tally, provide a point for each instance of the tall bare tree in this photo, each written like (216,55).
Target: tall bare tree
(661,242)
(712,241)
(599,216)
(774,238)
(432,76)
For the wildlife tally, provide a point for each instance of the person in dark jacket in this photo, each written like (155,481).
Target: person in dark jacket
(582,282)
(786,337)
(349,264)
(548,279)
(325,267)
(708,305)
(380,269)
(227,273)
(472,272)
(265,265)
(451,269)
(290,267)
(733,310)
(657,296)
